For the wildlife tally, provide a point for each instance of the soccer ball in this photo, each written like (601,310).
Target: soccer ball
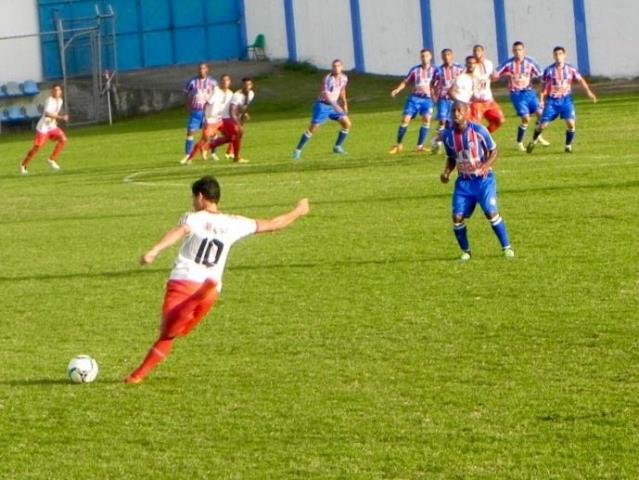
(82,369)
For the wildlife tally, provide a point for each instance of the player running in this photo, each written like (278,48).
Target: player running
(471,149)
(47,129)
(212,123)
(196,279)
(232,128)
(419,102)
(443,79)
(520,70)
(331,104)
(197,91)
(556,97)
(484,104)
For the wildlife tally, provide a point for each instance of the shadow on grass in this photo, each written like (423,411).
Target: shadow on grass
(44,382)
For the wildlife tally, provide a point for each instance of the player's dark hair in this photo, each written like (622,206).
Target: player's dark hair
(425,50)
(247,79)
(224,75)
(478,46)
(518,43)
(446,50)
(56,85)
(558,49)
(208,187)
(470,57)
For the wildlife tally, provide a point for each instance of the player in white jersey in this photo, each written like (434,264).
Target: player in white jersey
(48,129)
(465,84)
(484,104)
(225,85)
(232,128)
(196,279)
(331,104)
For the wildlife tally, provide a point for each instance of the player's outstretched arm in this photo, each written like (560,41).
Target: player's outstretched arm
(169,239)
(282,221)
(589,92)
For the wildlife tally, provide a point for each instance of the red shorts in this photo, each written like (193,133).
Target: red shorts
(491,111)
(229,128)
(185,305)
(57,135)
(210,129)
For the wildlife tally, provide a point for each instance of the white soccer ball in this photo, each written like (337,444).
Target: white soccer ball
(82,369)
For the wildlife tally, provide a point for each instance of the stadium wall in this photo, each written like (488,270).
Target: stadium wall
(383,37)
(20,58)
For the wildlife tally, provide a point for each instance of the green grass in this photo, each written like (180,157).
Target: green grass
(352,345)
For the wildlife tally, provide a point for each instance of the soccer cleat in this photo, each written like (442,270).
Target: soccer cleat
(396,149)
(185,161)
(542,141)
(421,149)
(53,164)
(568,149)
(23,170)
(509,252)
(339,150)
(214,157)
(229,156)
(241,160)
(530,147)
(131,380)
(465,256)
(297,154)
(520,147)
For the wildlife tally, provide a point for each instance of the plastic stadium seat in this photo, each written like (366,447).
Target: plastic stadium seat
(14,114)
(258,48)
(29,87)
(32,111)
(12,89)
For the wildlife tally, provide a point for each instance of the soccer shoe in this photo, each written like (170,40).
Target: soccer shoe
(530,147)
(568,149)
(465,256)
(23,170)
(297,154)
(396,149)
(509,253)
(542,141)
(421,149)
(520,147)
(339,150)
(214,157)
(185,161)
(205,154)
(241,160)
(54,165)
(131,380)
(229,156)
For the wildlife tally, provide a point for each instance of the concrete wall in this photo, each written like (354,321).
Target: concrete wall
(393,31)
(20,59)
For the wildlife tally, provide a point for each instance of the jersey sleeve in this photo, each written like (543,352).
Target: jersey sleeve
(503,68)
(576,75)
(50,106)
(485,136)
(450,151)
(236,99)
(410,76)
(242,227)
(188,87)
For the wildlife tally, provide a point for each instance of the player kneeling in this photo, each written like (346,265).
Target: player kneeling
(196,279)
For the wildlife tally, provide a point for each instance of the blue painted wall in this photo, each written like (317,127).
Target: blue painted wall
(151,33)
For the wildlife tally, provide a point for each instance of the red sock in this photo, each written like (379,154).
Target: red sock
(196,149)
(32,153)
(159,351)
(57,150)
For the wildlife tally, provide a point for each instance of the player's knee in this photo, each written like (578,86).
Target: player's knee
(346,123)
(493,216)
(458,219)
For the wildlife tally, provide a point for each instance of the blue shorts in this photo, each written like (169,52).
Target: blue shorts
(558,107)
(525,102)
(324,111)
(195,121)
(444,109)
(469,192)
(416,105)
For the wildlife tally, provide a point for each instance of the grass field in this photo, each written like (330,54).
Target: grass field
(353,345)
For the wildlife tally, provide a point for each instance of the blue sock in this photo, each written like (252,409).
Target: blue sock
(306,136)
(499,227)
(341,136)
(188,145)
(570,136)
(423,134)
(461,234)
(401,131)
(521,131)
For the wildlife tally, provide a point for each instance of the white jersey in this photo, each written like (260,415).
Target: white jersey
(205,250)
(214,107)
(483,71)
(227,95)
(47,124)
(242,100)
(464,87)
